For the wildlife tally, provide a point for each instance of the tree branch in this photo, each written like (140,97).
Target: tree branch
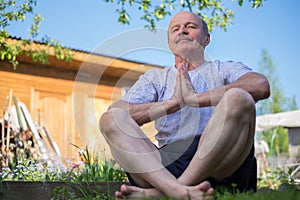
(189,5)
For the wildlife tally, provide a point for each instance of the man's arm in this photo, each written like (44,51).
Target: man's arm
(144,113)
(256,84)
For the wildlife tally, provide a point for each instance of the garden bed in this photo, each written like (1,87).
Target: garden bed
(15,190)
(23,190)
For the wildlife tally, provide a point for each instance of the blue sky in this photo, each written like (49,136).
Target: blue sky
(88,25)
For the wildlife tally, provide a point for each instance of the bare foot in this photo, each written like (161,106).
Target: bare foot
(198,192)
(133,192)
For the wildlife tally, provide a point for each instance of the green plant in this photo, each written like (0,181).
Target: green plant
(98,170)
(266,195)
(275,178)
(277,140)
(212,11)
(28,169)
(16,11)
(79,192)
(92,170)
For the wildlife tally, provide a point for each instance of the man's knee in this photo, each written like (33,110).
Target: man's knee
(109,121)
(239,101)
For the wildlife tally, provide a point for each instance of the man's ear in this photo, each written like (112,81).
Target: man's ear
(207,40)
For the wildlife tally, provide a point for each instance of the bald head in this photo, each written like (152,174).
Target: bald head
(186,25)
(188,36)
(195,16)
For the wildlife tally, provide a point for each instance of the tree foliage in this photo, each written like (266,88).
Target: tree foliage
(212,11)
(16,11)
(276,138)
(277,102)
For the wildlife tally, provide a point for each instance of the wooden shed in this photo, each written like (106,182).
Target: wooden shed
(290,120)
(71,96)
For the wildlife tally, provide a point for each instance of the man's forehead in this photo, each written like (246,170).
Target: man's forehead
(183,18)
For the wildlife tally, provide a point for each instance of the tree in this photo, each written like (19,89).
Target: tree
(276,138)
(212,11)
(11,11)
(277,102)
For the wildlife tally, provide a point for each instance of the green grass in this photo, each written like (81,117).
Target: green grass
(290,194)
(287,192)
(266,195)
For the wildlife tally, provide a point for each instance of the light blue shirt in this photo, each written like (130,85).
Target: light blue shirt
(158,85)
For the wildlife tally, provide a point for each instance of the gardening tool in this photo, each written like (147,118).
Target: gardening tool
(44,129)
(34,131)
(8,122)
(19,138)
(3,130)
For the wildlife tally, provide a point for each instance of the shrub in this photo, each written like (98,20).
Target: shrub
(89,170)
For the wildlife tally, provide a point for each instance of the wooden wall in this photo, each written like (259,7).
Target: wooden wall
(70,108)
(54,98)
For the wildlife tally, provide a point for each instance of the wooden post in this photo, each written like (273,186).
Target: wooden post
(8,123)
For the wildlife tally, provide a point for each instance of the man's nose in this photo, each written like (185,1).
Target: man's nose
(183,30)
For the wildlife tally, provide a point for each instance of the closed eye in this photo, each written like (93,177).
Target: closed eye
(191,25)
(174,29)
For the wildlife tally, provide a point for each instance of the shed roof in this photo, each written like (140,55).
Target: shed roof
(289,119)
(111,66)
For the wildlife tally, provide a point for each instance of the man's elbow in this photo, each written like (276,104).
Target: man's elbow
(264,89)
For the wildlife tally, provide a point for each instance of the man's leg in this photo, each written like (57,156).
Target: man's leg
(224,145)
(137,155)
(226,141)
(129,145)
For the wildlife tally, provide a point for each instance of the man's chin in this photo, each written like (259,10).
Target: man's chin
(187,51)
(184,41)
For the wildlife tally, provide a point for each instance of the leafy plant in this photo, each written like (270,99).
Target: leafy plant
(277,102)
(80,192)
(275,178)
(16,11)
(97,170)
(11,49)
(276,138)
(266,195)
(212,11)
(92,170)
(31,170)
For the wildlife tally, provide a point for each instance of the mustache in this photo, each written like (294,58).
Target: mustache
(183,37)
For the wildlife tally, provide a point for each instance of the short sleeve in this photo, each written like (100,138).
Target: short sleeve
(232,71)
(143,91)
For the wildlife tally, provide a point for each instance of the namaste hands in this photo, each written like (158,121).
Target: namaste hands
(184,92)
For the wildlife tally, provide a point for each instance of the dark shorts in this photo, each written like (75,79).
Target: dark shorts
(243,179)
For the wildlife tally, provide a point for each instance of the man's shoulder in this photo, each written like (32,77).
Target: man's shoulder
(159,71)
(223,65)
(228,62)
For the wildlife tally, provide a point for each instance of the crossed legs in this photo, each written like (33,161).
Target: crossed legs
(224,145)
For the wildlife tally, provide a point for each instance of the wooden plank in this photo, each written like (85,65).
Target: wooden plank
(22,84)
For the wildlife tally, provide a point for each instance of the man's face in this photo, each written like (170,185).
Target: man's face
(185,35)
